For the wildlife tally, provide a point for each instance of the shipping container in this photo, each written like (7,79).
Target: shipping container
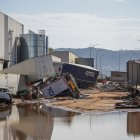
(81,73)
(34,69)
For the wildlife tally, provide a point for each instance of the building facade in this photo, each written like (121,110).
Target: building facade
(118,76)
(10,31)
(133,72)
(66,56)
(85,61)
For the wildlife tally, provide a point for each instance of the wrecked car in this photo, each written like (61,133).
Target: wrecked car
(64,85)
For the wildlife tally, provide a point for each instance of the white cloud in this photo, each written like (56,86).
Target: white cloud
(79,30)
(118,0)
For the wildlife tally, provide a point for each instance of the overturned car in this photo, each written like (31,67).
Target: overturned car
(64,85)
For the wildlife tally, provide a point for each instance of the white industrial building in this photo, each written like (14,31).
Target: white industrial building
(10,31)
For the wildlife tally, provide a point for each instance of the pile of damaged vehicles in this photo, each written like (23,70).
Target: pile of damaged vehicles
(42,76)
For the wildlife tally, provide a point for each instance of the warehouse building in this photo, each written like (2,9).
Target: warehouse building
(85,61)
(133,72)
(118,76)
(10,31)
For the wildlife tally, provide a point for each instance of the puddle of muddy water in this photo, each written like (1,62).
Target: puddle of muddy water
(33,122)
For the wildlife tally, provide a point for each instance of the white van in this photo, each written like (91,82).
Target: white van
(5,96)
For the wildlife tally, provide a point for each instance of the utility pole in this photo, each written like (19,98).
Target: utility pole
(119,60)
(98,51)
(91,47)
(101,63)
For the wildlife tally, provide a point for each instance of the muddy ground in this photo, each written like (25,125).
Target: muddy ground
(92,101)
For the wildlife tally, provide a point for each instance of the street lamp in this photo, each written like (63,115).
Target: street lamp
(119,60)
(97,56)
(92,46)
(101,63)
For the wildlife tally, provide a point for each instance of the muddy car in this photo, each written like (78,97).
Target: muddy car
(5,96)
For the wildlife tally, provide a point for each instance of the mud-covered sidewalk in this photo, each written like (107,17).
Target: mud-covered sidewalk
(92,101)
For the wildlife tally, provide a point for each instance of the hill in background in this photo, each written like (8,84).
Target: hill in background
(107,60)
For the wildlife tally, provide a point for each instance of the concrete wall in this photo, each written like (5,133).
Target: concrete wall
(17,29)
(56,59)
(72,58)
(1,35)
(64,55)
(7,40)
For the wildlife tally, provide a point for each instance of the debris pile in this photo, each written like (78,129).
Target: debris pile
(60,85)
(114,86)
(131,103)
(36,77)
(132,100)
(53,86)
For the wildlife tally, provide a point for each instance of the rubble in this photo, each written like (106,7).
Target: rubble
(64,85)
(114,86)
(60,85)
(132,100)
(131,103)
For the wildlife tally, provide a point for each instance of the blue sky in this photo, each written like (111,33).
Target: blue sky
(114,24)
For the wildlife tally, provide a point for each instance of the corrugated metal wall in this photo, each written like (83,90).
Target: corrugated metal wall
(32,45)
(133,72)
(28,46)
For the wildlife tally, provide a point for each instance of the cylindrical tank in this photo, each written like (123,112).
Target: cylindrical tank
(33,45)
(29,46)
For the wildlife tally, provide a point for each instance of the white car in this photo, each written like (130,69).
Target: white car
(5,96)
